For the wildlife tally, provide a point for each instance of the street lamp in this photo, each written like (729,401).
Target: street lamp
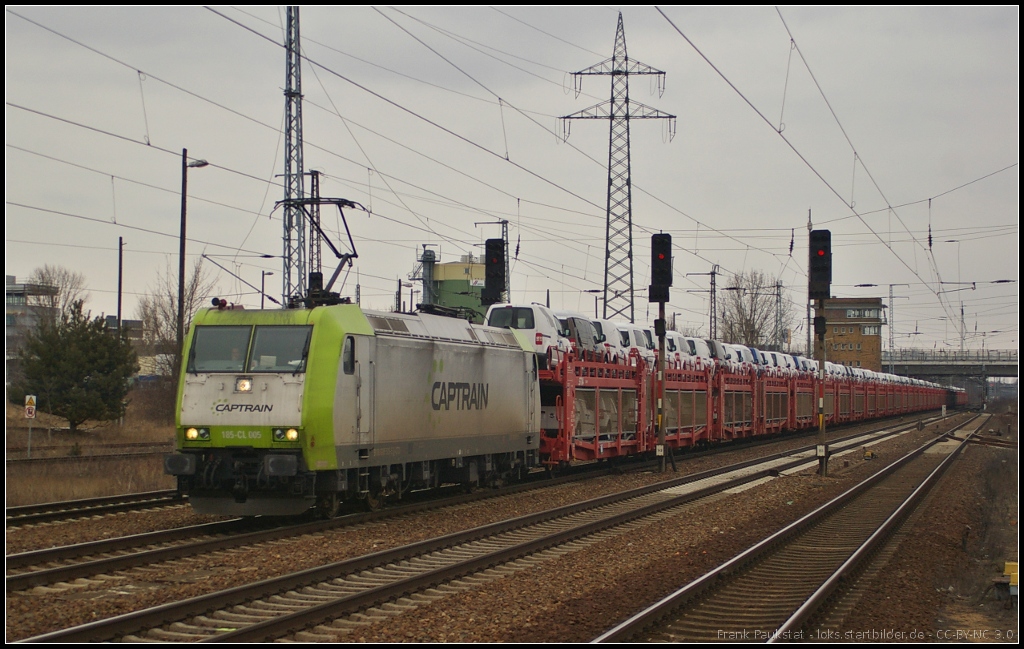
(263,286)
(595,291)
(185,164)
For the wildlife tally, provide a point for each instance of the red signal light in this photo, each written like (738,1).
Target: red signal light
(819,275)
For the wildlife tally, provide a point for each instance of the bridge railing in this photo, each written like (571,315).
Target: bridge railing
(972,357)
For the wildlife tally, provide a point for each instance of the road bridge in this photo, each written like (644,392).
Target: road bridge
(969,369)
(926,363)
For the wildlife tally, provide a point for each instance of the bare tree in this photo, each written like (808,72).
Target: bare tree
(755,312)
(158,311)
(159,314)
(58,288)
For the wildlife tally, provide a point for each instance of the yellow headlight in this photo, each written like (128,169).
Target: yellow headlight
(292,434)
(192,433)
(243,384)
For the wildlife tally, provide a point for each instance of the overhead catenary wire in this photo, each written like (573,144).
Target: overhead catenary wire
(711,247)
(219,104)
(802,158)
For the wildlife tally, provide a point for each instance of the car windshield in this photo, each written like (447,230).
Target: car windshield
(219,349)
(512,317)
(585,331)
(280,349)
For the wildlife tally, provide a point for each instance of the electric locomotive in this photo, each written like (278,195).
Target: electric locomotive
(282,411)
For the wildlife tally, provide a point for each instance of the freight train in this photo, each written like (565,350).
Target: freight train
(281,412)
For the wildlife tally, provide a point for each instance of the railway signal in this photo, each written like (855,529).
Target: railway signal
(819,285)
(494,271)
(819,277)
(661,267)
(661,280)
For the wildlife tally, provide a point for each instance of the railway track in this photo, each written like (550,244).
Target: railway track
(64,453)
(66,563)
(70,509)
(773,590)
(78,460)
(288,604)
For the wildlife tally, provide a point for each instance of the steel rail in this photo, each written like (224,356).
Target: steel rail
(653,614)
(89,507)
(132,622)
(51,575)
(851,567)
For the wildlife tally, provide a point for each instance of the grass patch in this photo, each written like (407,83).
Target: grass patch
(145,421)
(31,484)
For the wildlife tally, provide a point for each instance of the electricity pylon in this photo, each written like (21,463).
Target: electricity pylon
(619,110)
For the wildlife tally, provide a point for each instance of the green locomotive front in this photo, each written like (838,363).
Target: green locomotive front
(282,411)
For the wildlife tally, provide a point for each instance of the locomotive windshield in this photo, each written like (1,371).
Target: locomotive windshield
(219,349)
(227,349)
(280,349)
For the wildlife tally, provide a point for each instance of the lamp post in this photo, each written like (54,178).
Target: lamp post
(263,286)
(185,164)
(595,291)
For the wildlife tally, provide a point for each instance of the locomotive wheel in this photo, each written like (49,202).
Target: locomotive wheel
(374,500)
(328,505)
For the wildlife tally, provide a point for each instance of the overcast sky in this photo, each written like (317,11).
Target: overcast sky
(910,120)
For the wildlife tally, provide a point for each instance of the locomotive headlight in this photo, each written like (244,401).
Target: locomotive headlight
(197,433)
(286,435)
(243,384)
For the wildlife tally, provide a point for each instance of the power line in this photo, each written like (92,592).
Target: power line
(801,156)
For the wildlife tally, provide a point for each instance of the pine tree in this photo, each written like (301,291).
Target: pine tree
(77,368)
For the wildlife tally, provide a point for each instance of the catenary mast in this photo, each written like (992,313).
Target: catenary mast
(294,218)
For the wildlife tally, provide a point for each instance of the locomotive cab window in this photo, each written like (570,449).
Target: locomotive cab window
(280,349)
(348,356)
(219,349)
